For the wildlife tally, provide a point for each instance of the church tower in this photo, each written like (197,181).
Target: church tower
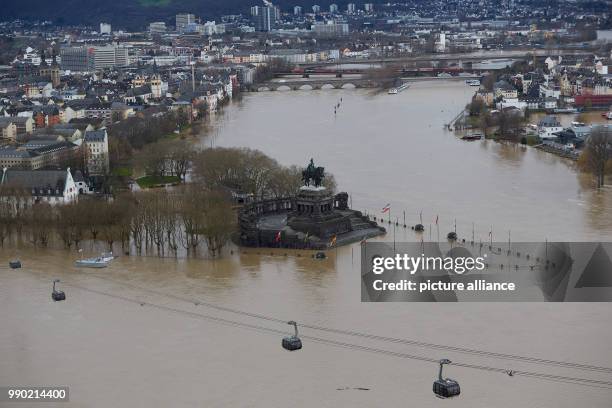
(54,72)
(49,72)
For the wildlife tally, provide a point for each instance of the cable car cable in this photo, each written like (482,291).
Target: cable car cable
(543,376)
(416,343)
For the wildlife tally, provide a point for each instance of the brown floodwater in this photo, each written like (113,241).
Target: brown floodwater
(112,351)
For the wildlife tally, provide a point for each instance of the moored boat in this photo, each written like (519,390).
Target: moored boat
(15,264)
(107,256)
(98,262)
(398,89)
(472,136)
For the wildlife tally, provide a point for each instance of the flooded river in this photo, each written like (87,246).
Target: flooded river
(132,335)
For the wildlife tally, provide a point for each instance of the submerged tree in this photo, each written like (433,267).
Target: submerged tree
(597,155)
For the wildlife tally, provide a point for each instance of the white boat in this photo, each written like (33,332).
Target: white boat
(107,256)
(399,89)
(472,82)
(92,262)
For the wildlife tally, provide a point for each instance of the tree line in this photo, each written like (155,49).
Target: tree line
(188,218)
(160,221)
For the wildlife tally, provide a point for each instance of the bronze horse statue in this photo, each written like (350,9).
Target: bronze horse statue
(313,174)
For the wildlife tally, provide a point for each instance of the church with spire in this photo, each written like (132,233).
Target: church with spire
(49,72)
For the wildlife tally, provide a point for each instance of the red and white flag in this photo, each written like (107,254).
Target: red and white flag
(386,208)
(277,238)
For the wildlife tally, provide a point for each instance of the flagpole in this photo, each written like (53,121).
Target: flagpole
(508,240)
(472,232)
(393,237)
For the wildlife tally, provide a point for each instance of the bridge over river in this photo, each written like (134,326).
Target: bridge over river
(296,84)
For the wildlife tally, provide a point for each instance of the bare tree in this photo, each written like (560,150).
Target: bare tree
(597,154)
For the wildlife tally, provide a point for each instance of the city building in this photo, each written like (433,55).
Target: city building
(96,150)
(105,28)
(23,124)
(264,17)
(109,56)
(183,20)
(330,29)
(51,71)
(316,9)
(28,187)
(95,58)
(158,27)
(74,59)
(350,8)
(38,153)
(548,126)
(297,11)
(368,7)
(333,8)
(8,129)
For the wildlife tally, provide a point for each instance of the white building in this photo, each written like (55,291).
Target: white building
(28,187)
(157,27)
(547,126)
(368,7)
(441,43)
(105,28)
(96,150)
(333,8)
(331,29)
(183,20)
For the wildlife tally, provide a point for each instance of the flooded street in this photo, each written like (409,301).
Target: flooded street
(142,333)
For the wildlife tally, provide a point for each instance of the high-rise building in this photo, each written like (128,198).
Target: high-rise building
(105,28)
(265,17)
(183,20)
(368,7)
(297,11)
(74,59)
(158,27)
(333,8)
(316,9)
(350,8)
(87,59)
(331,29)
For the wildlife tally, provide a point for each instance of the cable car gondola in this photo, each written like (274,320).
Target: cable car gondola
(452,236)
(445,387)
(292,343)
(57,295)
(419,228)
